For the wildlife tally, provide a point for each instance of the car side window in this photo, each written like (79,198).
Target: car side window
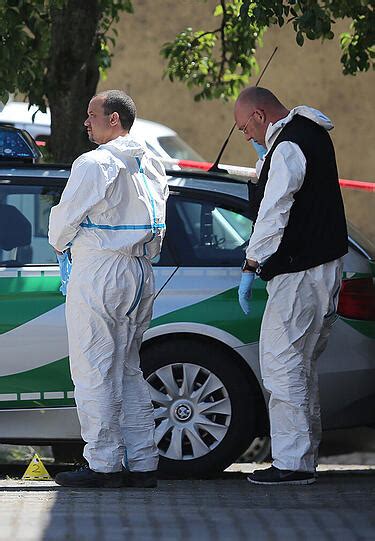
(24,214)
(203,233)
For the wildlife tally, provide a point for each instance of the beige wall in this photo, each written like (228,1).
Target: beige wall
(309,75)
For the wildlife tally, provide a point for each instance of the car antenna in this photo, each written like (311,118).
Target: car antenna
(214,168)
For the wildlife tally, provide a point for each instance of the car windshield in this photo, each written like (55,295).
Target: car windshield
(177,148)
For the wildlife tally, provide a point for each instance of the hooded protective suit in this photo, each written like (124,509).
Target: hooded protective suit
(299,313)
(112,215)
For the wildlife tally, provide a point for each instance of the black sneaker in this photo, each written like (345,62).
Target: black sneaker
(86,478)
(139,479)
(274,476)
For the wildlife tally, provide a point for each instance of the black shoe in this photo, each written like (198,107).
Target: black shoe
(86,478)
(274,476)
(139,479)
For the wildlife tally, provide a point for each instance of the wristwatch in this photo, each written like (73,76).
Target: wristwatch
(249,268)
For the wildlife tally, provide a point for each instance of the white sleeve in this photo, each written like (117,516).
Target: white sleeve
(85,188)
(285,178)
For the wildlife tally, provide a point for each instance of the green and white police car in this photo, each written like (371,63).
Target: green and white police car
(200,355)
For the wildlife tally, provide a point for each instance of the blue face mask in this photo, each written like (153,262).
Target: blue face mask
(259,149)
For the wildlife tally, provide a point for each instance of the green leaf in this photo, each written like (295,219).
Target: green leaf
(310,34)
(218,11)
(300,39)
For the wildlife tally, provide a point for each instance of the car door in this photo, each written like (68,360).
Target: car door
(207,235)
(34,371)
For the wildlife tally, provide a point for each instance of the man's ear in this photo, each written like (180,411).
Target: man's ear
(114,119)
(258,113)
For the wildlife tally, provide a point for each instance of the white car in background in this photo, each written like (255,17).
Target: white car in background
(163,141)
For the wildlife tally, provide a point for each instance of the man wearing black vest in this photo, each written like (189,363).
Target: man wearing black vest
(298,242)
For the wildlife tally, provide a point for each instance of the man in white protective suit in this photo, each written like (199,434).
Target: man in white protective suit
(298,242)
(112,216)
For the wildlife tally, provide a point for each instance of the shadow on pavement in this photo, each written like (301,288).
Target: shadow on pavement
(339,506)
(14,473)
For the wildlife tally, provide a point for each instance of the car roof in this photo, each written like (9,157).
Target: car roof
(220,183)
(35,170)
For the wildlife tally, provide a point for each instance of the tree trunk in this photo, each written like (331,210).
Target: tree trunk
(72,76)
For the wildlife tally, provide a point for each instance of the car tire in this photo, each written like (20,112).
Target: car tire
(209,438)
(259,451)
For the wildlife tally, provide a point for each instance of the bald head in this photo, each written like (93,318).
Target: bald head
(255,109)
(260,98)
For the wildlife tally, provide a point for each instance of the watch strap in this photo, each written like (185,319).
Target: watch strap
(248,268)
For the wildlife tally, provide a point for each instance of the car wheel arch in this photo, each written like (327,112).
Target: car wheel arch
(230,353)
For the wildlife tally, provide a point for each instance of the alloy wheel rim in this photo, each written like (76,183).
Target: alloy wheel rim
(192,410)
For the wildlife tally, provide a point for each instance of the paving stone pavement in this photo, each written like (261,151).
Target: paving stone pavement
(341,506)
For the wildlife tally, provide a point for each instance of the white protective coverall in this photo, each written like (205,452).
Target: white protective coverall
(299,313)
(112,212)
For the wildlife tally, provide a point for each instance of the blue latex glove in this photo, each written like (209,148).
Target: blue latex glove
(244,291)
(65,268)
(259,149)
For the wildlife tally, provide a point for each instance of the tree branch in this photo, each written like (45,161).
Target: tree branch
(197,38)
(223,46)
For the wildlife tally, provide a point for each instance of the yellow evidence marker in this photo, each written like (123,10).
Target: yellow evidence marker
(36,471)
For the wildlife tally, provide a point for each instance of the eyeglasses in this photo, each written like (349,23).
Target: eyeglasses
(243,129)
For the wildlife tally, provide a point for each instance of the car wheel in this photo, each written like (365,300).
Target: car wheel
(204,405)
(259,451)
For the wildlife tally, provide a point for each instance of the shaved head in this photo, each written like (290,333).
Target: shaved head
(261,98)
(254,110)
